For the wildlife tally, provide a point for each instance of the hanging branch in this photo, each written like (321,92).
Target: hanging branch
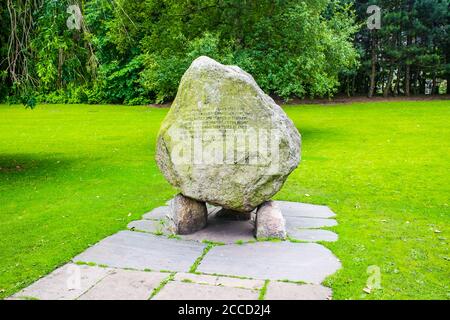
(19,51)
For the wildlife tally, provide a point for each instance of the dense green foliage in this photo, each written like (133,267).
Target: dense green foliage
(72,175)
(135,52)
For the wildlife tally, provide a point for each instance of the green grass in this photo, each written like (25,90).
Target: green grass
(72,174)
(162,284)
(263,291)
(196,263)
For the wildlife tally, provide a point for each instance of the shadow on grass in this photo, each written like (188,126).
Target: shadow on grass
(314,133)
(17,167)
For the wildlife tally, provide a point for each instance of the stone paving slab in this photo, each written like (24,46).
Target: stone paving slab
(220,229)
(230,231)
(157,213)
(312,235)
(62,283)
(219,281)
(125,285)
(151,226)
(224,230)
(307,262)
(291,291)
(175,290)
(297,209)
(309,223)
(196,278)
(118,284)
(240,283)
(138,250)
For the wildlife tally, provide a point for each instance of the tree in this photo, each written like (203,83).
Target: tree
(4,33)
(292,48)
(136,51)
(410,49)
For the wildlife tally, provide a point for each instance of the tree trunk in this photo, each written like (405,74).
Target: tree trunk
(397,83)
(389,83)
(422,83)
(414,82)
(347,80)
(448,71)
(353,85)
(408,80)
(373,72)
(448,83)
(434,86)
(60,63)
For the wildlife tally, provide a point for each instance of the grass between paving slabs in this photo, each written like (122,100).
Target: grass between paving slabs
(162,284)
(71,175)
(171,277)
(263,291)
(208,247)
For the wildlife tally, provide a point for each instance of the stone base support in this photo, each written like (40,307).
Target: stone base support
(270,222)
(187,215)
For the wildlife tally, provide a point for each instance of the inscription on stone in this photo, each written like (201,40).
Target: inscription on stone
(215,119)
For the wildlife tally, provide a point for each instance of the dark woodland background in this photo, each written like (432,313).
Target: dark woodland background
(135,51)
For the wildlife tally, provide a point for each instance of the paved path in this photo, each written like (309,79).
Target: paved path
(222,261)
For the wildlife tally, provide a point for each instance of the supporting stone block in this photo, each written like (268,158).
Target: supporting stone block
(270,222)
(187,215)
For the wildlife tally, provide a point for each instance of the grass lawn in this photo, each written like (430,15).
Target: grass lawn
(72,174)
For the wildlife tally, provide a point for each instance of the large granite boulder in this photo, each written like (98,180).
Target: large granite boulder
(224,141)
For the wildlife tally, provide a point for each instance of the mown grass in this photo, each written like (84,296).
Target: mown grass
(73,174)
